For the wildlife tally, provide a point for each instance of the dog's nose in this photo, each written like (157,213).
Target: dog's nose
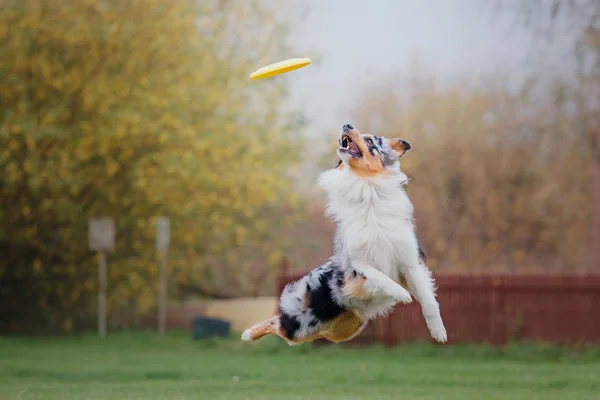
(347,127)
(405,144)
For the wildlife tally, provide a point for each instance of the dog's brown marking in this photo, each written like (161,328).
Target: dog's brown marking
(268,327)
(306,301)
(306,339)
(400,146)
(343,328)
(402,281)
(368,164)
(354,286)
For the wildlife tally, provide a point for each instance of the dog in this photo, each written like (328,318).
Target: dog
(375,247)
(366,199)
(333,302)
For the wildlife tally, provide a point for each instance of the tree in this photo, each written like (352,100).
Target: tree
(132,109)
(578,20)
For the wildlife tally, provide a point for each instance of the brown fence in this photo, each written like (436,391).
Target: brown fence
(497,309)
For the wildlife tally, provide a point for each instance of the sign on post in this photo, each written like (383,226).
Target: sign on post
(163,236)
(101,238)
(101,234)
(163,227)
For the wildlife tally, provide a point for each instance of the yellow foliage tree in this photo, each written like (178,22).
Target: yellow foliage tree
(132,109)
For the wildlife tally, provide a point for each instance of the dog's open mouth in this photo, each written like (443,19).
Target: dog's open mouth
(348,146)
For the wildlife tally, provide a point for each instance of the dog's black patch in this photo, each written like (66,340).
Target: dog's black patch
(289,324)
(321,299)
(379,140)
(372,147)
(340,279)
(422,255)
(339,163)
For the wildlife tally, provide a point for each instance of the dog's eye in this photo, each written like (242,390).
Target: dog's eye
(369,141)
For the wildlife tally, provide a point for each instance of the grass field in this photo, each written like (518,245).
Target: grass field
(145,366)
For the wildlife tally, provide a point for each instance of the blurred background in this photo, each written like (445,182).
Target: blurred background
(143,108)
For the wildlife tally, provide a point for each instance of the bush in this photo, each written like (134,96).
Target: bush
(132,110)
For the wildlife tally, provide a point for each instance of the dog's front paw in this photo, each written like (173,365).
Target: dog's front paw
(438,331)
(401,295)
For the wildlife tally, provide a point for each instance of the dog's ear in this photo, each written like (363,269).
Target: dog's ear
(400,146)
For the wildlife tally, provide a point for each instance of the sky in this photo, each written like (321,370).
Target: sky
(360,41)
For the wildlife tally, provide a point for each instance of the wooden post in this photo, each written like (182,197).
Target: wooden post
(284,270)
(163,227)
(162,309)
(101,237)
(597,198)
(102,294)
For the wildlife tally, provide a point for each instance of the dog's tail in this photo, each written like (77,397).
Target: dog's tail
(267,327)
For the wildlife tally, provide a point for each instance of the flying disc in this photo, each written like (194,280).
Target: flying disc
(280,67)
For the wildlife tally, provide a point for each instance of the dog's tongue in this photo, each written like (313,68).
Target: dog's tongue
(353,147)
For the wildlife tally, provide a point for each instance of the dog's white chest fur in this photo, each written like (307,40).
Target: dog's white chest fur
(374,218)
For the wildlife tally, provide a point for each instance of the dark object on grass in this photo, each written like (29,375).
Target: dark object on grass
(204,327)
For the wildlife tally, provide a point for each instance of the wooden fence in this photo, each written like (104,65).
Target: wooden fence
(496,309)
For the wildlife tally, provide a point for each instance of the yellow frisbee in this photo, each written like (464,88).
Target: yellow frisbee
(280,67)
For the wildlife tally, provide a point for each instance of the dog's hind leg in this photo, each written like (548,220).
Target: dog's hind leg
(267,327)
(422,286)
(272,326)
(344,328)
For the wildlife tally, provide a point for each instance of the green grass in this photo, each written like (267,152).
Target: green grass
(145,366)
